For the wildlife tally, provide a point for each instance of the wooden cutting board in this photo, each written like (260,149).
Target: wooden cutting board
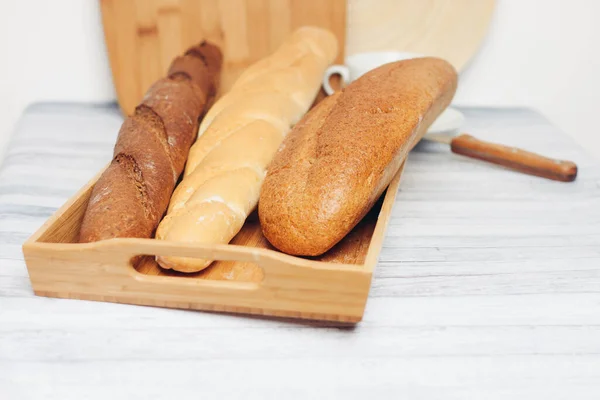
(143,36)
(450,29)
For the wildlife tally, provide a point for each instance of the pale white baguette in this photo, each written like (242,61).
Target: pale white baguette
(238,138)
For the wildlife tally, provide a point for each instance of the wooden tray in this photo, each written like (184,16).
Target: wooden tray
(250,276)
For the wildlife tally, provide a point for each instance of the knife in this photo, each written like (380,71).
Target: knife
(510,157)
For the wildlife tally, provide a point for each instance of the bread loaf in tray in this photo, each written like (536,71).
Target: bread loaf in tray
(133,193)
(337,161)
(238,138)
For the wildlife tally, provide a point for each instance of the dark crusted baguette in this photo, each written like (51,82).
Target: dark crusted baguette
(133,193)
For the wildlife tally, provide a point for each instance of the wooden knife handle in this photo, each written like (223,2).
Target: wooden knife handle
(517,159)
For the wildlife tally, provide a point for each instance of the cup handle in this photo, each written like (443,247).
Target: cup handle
(341,70)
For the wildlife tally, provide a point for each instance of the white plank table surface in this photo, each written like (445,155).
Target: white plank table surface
(488,287)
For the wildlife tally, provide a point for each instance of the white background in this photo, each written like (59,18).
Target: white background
(544,54)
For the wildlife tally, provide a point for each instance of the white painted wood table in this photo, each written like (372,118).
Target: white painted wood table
(488,287)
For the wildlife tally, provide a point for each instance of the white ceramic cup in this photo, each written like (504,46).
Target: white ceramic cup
(356,65)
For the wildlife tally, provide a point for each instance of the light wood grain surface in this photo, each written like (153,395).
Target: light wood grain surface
(450,29)
(488,286)
(142,36)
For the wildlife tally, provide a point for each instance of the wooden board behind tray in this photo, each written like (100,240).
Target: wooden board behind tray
(142,37)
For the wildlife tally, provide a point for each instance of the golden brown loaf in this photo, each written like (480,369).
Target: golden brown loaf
(337,161)
(236,141)
(134,191)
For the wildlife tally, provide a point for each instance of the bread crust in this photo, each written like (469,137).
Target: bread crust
(337,161)
(133,193)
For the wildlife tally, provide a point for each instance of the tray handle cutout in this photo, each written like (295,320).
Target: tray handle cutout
(279,270)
